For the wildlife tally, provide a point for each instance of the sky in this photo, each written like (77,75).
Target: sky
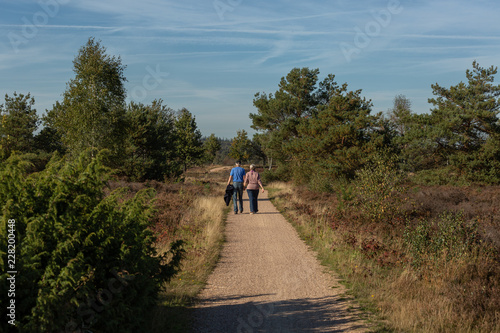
(213,56)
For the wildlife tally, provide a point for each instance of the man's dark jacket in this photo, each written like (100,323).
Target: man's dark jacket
(229,194)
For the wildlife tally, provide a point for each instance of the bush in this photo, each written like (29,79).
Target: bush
(380,189)
(450,237)
(280,174)
(84,260)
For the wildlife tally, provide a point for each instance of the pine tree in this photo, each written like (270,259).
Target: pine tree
(465,125)
(211,146)
(150,141)
(189,147)
(279,115)
(339,138)
(241,147)
(19,123)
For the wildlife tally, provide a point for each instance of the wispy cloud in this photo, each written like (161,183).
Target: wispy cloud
(216,65)
(65,27)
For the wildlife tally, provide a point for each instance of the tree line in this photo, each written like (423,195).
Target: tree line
(144,142)
(324,132)
(310,129)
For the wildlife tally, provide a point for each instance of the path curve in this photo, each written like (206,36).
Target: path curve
(268,280)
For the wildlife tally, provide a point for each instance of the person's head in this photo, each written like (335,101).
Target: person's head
(238,163)
(252,166)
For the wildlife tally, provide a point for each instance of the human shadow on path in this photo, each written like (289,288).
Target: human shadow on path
(294,315)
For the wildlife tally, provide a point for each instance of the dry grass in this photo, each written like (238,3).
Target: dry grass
(202,230)
(442,295)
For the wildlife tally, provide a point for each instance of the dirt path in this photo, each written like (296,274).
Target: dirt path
(224,168)
(267,280)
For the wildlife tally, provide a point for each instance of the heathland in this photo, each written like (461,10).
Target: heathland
(113,218)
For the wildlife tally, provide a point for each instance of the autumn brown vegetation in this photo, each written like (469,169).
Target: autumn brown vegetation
(432,265)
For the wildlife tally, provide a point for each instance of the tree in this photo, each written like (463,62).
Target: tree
(320,130)
(211,146)
(241,147)
(400,114)
(279,115)
(339,138)
(150,147)
(19,123)
(409,135)
(49,139)
(258,151)
(189,147)
(92,114)
(465,125)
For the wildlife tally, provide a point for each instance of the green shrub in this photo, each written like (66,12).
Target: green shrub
(380,189)
(280,174)
(450,237)
(442,176)
(85,261)
(321,182)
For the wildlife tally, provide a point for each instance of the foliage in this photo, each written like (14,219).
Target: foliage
(211,146)
(150,149)
(188,144)
(92,114)
(408,136)
(278,115)
(19,123)
(448,175)
(87,260)
(450,238)
(380,189)
(465,125)
(222,155)
(281,173)
(241,147)
(466,114)
(400,113)
(322,130)
(340,137)
(258,143)
(48,140)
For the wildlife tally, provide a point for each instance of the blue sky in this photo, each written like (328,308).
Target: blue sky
(213,56)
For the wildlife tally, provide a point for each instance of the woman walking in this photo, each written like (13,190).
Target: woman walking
(252,183)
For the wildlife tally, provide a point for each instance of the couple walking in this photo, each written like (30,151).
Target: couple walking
(251,181)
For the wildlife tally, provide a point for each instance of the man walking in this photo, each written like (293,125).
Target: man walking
(237,175)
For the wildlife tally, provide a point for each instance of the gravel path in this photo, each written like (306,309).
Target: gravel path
(268,280)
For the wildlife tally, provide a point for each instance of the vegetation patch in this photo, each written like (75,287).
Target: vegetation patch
(417,268)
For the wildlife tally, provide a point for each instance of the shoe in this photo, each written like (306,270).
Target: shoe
(251,213)
(236,212)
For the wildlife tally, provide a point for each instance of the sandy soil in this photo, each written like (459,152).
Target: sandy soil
(224,168)
(268,280)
